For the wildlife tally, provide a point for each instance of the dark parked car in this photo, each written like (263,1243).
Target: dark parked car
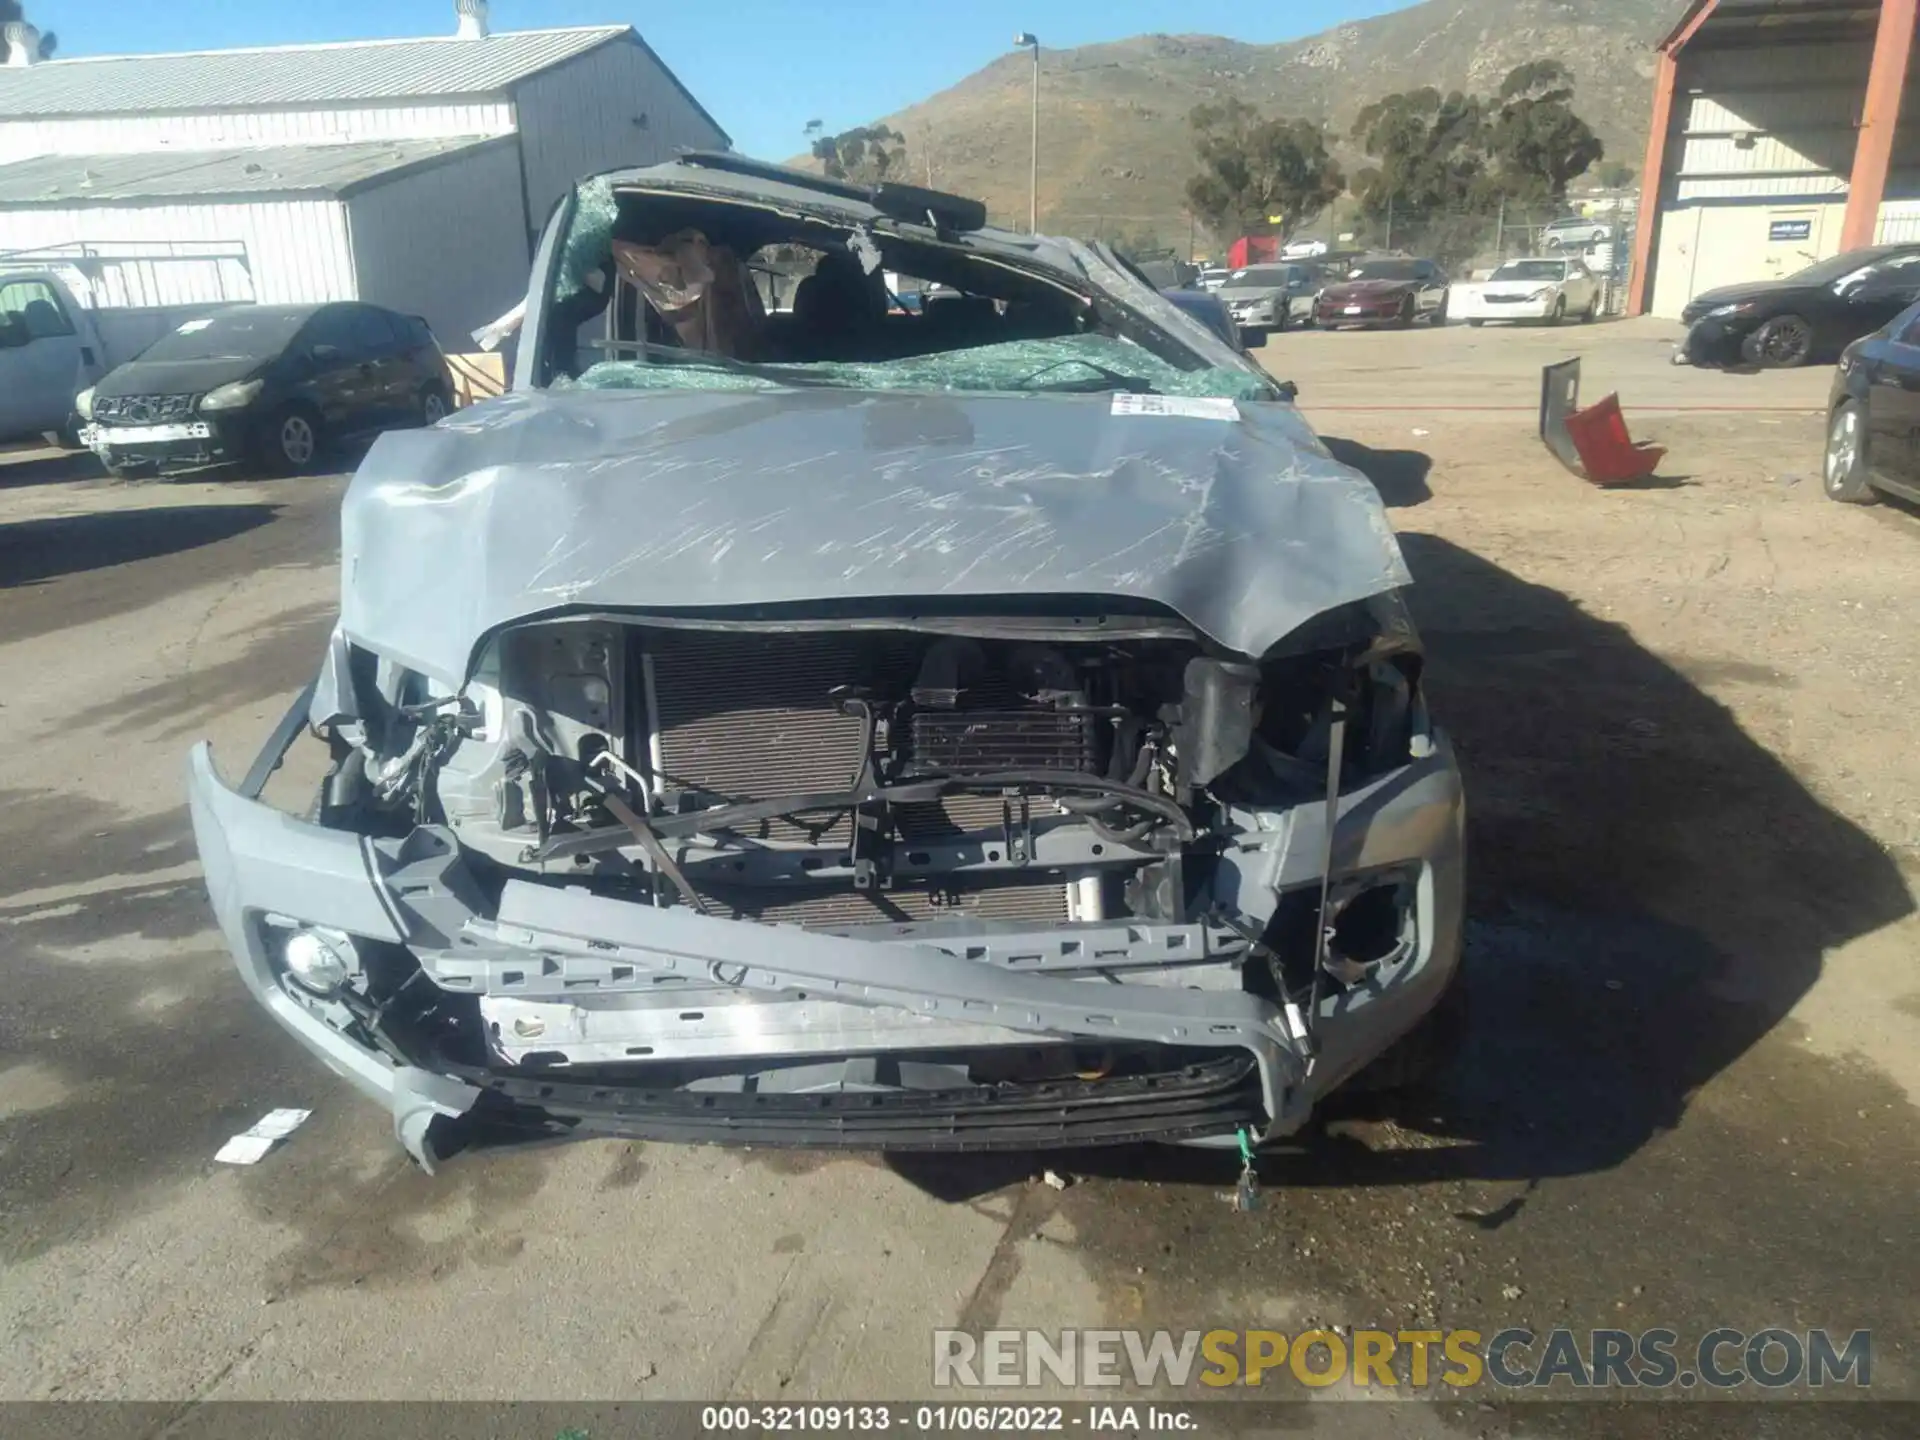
(268,384)
(1873,427)
(1805,316)
(1208,309)
(1387,291)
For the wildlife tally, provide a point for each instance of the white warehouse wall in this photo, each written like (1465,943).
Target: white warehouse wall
(1762,145)
(579,118)
(296,248)
(208,130)
(445,242)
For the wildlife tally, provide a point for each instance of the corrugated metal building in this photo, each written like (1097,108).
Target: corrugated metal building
(410,173)
(1775,141)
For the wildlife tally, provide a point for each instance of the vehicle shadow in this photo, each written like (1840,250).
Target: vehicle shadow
(38,465)
(1651,892)
(1399,475)
(35,551)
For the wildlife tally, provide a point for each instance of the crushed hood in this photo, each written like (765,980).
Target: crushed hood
(542,502)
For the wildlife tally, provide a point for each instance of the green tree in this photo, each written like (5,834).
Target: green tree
(1431,154)
(866,154)
(1534,138)
(1254,169)
(1614,174)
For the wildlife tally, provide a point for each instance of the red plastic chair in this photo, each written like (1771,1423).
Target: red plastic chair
(1608,454)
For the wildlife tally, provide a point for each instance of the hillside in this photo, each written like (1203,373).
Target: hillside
(1115,147)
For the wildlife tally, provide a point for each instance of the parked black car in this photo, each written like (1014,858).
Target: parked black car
(1873,410)
(1808,315)
(268,384)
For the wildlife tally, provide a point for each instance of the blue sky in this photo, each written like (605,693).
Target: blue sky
(763,67)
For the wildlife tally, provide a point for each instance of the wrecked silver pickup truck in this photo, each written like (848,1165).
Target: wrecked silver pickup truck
(821,719)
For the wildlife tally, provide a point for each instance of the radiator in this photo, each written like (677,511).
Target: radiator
(747,717)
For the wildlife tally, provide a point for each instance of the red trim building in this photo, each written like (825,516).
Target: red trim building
(1776,140)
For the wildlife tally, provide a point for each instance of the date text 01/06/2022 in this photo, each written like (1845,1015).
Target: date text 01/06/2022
(944,1418)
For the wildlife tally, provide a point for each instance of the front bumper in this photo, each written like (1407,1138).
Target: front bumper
(1714,340)
(1331,315)
(567,951)
(199,441)
(1465,305)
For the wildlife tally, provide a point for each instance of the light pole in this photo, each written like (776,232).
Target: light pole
(1026,41)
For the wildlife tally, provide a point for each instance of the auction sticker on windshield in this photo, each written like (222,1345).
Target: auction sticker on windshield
(1202,407)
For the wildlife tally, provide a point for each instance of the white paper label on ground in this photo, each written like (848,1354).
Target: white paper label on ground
(1191,407)
(278,1124)
(252,1144)
(244,1150)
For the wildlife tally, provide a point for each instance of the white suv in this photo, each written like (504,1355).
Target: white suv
(1576,232)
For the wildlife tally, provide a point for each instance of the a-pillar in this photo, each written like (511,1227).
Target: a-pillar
(1879,120)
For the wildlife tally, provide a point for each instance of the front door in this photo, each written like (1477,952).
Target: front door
(337,376)
(39,359)
(1873,297)
(1433,289)
(1893,407)
(386,397)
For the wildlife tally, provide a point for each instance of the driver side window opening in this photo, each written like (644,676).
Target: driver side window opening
(33,308)
(751,284)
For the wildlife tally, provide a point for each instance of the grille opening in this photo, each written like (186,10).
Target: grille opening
(741,716)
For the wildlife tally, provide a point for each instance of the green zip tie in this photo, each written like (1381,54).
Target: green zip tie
(1246,1194)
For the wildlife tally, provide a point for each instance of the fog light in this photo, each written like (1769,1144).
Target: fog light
(321,960)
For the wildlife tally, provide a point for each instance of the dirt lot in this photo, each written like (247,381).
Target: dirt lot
(1688,1098)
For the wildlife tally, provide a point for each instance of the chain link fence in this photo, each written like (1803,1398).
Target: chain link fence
(1470,243)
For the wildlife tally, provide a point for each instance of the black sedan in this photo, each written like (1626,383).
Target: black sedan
(1805,316)
(271,385)
(1873,415)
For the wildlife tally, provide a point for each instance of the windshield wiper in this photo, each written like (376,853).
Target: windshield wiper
(1104,379)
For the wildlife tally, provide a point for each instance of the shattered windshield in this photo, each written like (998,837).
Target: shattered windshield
(1386,270)
(249,333)
(1847,264)
(1072,364)
(670,290)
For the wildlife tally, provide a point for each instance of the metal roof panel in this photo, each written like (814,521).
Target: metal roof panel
(291,75)
(71,180)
